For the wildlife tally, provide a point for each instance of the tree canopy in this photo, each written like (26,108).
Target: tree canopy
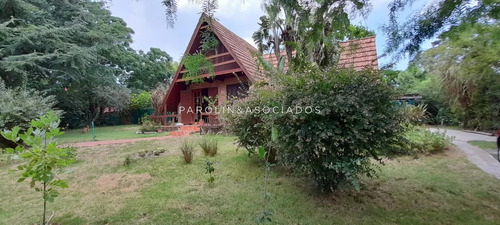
(438,17)
(75,50)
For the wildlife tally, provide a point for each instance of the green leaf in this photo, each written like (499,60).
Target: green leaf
(262,152)
(21,179)
(281,64)
(25,155)
(274,134)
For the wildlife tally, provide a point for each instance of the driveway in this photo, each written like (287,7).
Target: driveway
(476,155)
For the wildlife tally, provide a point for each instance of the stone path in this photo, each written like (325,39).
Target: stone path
(476,155)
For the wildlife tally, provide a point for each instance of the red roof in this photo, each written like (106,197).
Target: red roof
(359,53)
(242,51)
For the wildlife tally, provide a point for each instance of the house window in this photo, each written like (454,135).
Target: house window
(237,91)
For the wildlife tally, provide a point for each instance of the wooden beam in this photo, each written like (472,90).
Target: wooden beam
(203,27)
(215,74)
(218,55)
(217,64)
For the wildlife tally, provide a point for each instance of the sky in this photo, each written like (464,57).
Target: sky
(147,19)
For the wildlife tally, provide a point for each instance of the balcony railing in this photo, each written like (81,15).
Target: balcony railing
(165,120)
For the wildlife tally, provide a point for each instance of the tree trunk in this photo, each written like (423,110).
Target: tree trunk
(44,202)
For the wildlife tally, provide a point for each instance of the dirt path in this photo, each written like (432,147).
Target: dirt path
(476,155)
(110,142)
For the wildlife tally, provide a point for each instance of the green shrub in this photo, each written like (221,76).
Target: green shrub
(253,129)
(417,139)
(414,114)
(209,146)
(141,101)
(187,149)
(149,125)
(353,119)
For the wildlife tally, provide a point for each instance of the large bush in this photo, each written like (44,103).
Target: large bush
(356,119)
(418,140)
(253,129)
(339,121)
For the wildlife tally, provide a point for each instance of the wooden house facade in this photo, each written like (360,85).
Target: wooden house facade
(235,69)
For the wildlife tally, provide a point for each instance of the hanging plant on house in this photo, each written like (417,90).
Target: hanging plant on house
(196,64)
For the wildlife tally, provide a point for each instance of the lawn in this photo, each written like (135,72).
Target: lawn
(443,188)
(484,144)
(106,133)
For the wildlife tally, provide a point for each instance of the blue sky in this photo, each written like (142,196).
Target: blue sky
(147,19)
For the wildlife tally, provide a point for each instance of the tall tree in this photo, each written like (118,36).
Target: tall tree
(468,64)
(438,17)
(75,50)
(147,69)
(310,29)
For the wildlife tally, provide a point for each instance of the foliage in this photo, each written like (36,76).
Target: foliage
(187,149)
(148,125)
(412,114)
(419,140)
(196,65)
(253,129)
(208,41)
(158,94)
(209,146)
(352,119)
(209,168)
(128,160)
(147,69)
(440,17)
(21,105)
(141,100)
(467,67)
(208,7)
(45,157)
(76,51)
(312,31)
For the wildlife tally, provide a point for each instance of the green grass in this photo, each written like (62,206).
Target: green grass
(106,133)
(484,144)
(442,188)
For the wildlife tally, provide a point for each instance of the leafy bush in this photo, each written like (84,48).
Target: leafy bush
(209,146)
(141,101)
(353,118)
(187,149)
(149,125)
(253,129)
(414,114)
(417,139)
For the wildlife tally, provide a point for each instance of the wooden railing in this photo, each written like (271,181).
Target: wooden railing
(210,120)
(165,120)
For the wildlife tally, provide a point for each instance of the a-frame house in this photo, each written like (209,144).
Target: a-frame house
(234,67)
(235,70)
